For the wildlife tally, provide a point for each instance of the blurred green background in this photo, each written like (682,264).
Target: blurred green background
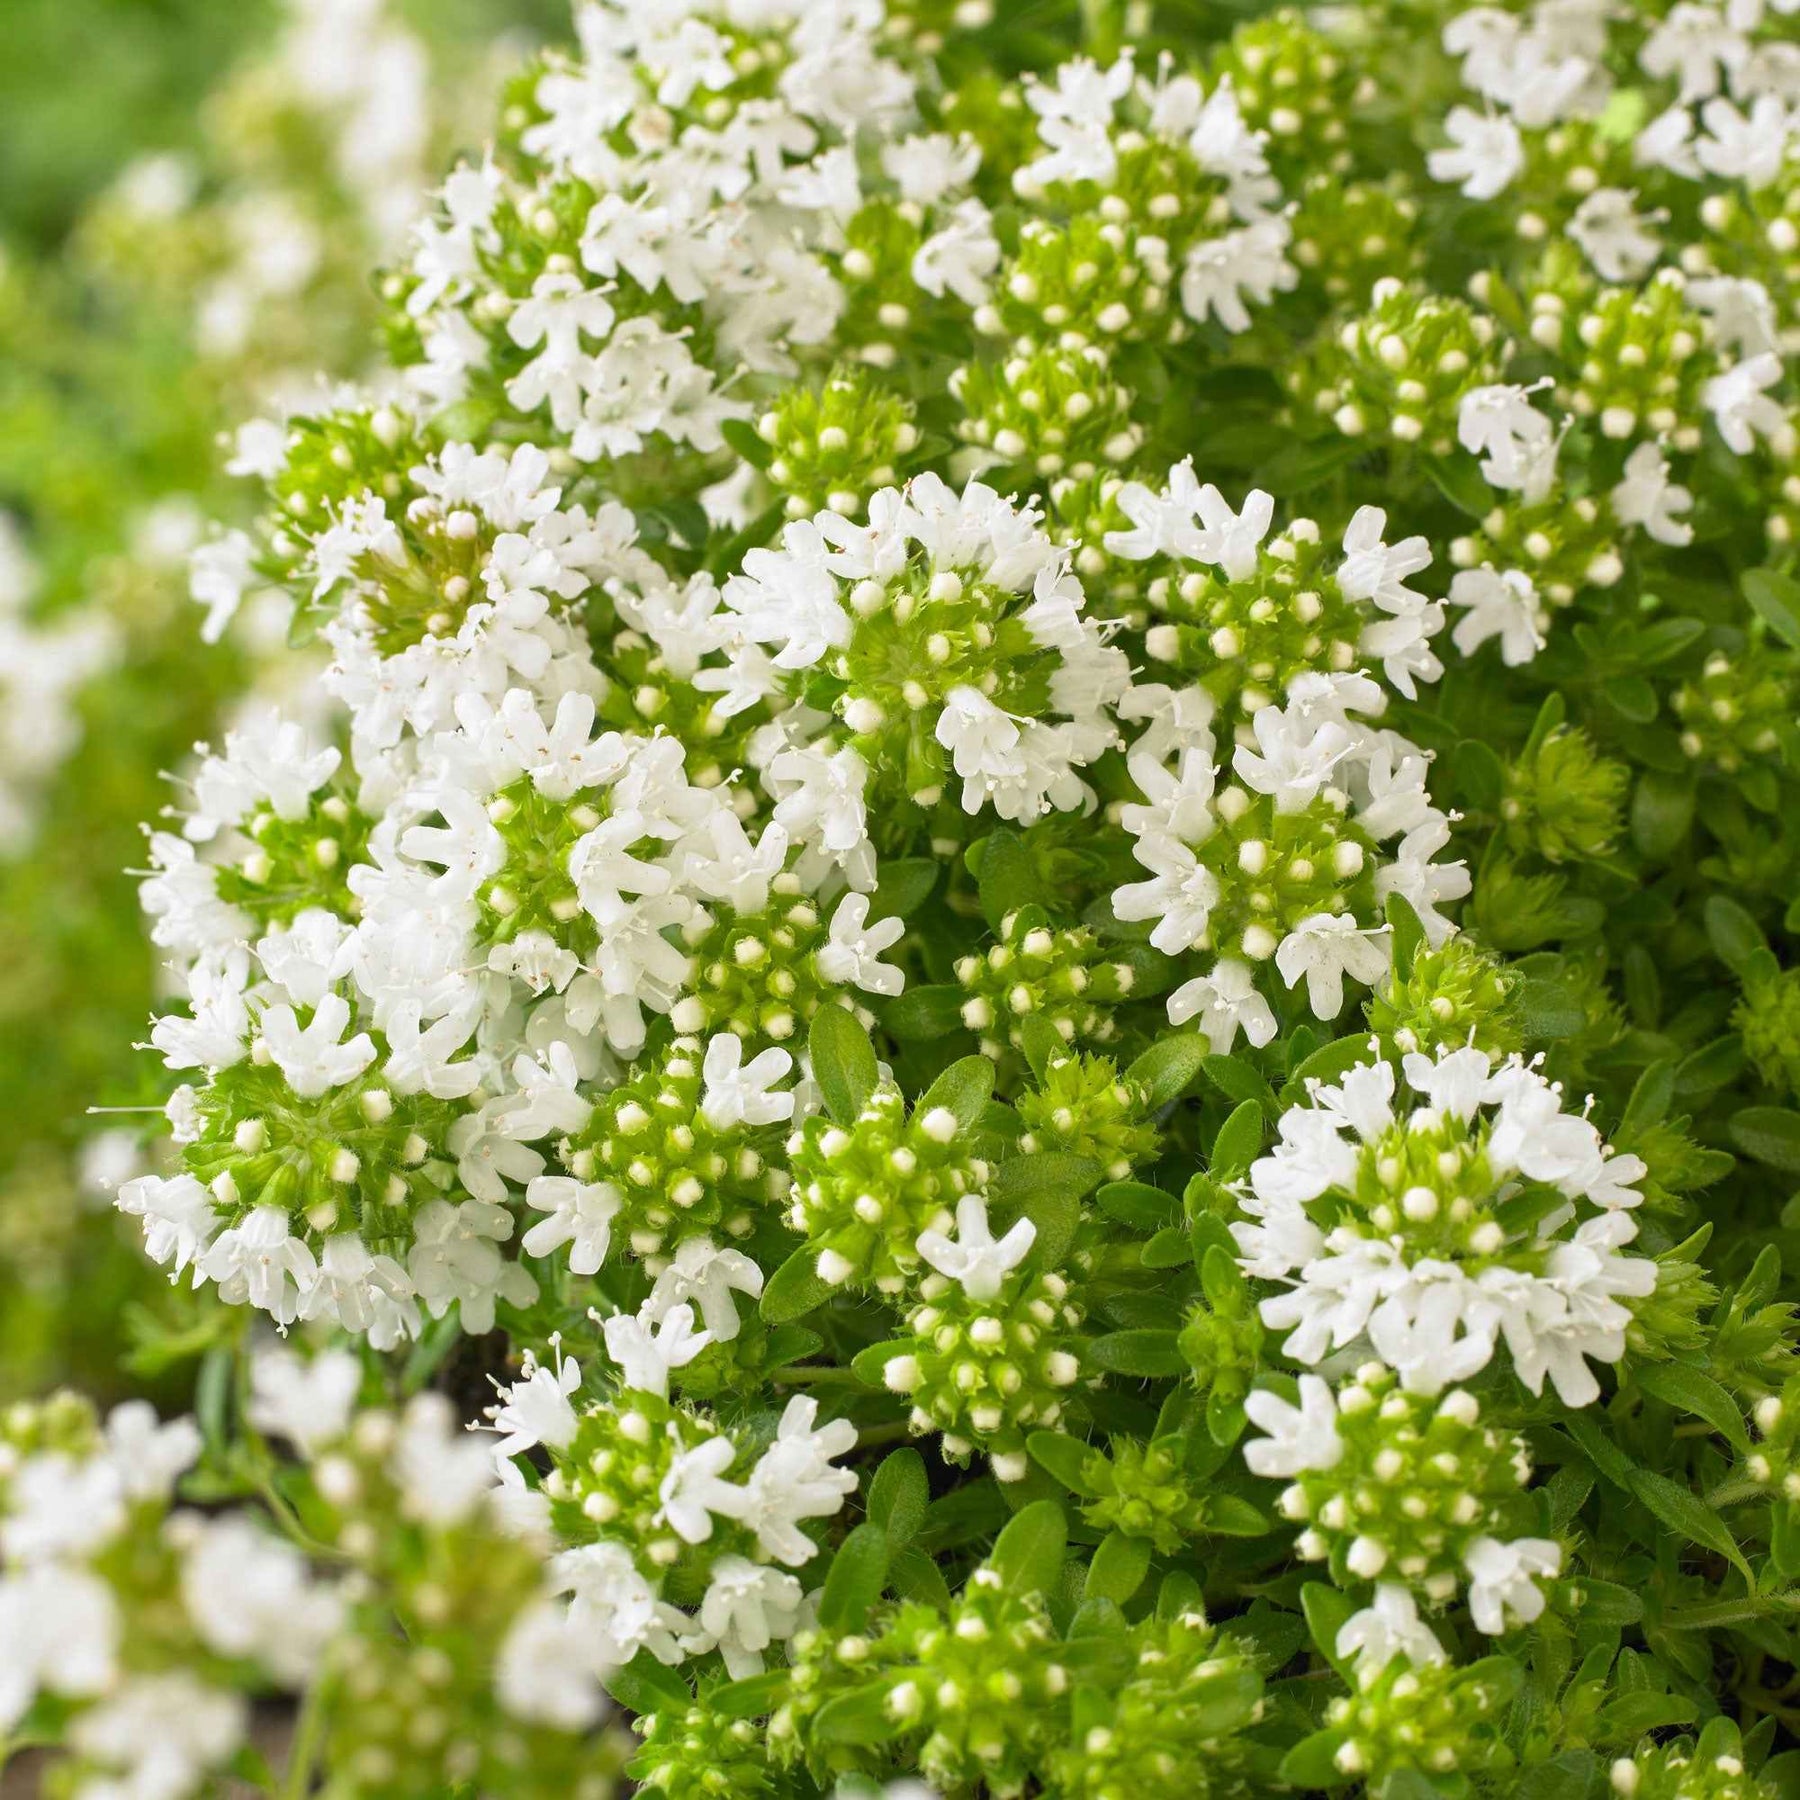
(111,410)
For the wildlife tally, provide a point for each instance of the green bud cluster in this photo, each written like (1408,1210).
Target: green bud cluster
(1439,1720)
(1736,710)
(63,1423)
(1222,1335)
(607,1481)
(415,1719)
(292,864)
(1420,1479)
(1636,361)
(755,974)
(1171,1730)
(863,1195)
(1563,799)
(1245,640)
(644,695)
(985,1373)
(1455,995)
(359,1157)
(697,1753)
(677,1175)
(975,1699)
(1293,84)
(1048,412)
(1349,234)
(1037,970)
(884,308)
(834,445)
(1276,868)
(1767,1018)
(1774,1464)
(1081,1107)
(1401,369)
(1563,544)
(1711,1769)
(1153,1489)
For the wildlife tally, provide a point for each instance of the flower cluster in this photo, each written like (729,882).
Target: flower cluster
(855,926)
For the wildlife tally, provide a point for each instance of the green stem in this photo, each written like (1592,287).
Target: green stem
(303,1753)
(817,1375)
(1723,1614)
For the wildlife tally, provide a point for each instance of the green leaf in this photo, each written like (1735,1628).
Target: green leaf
(1684,1512)
(1238,1143)
(1167,1069)
(1312,1763)
(903,886)
(1009,876)
(964,1088)
(857,1576)
(843,1062)
(1688,1390)
(647,1686)
(1145,1354)
(914,1576)
(1236,1080)
(1733,934)
(858,1717)
(1042,1043)
(1547,1010)
(924,1013)
(795,1289)
(1327,1611)
(1709,1068)
(1662,814)
(1770,1134)
(899,1495)
(1135,1203)
(1775,599)
(1064,1458)
(744,438)
(869,1363)
(1028,1553)
(755,1697)
(1331,1062)
(1118,1568)
(1601,1451)
(1407,933)
(1228,1516)
(1169,1249)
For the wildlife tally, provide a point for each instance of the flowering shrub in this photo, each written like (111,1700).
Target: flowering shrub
(1048,774)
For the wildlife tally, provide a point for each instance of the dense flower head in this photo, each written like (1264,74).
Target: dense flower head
(1485,1213)
(1042,823)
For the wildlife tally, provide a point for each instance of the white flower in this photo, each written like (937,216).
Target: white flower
(1231,539)
(973,1257)
(59,1632)
(443,1472)
(258,1260)
(739,1093)
(747,1607)
(1742,408)
(179,1219)
(852,955)
(794,1480)
(961,256)
(1516,442)
(1219,272)
(165,1732)
(647,1352)
(1180,896)
(691,1491)
(1325,947)
(455,1259)
(543,1673)
(1373,570)
(220,573)
(308,1401)
(1503,1590)
(1225,1002)
(1502,604)
(703,1275)
(313,1059)
(1300,1438)
(1293,758)
(149,1455)
(1613,235)
(614,1611)
(1751,149)
(1647,497)
(249,1595)
(1487,153)
(535,1409)
(580,1214)
(1389,1626)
